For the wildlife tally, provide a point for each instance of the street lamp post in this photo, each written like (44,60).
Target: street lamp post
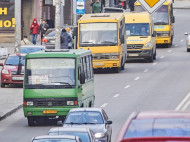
(17,22)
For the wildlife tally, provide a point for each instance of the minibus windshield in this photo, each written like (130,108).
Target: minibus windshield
(98,34)
(160,16)
(137,29)
(50,73)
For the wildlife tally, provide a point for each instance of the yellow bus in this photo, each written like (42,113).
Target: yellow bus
(104,34)
(163,22)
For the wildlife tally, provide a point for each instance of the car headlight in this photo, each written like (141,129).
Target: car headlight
(5,71)
(99,135)
(148,45)
(30,103)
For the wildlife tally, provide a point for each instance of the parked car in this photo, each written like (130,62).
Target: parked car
(113,10)
(188,42)
(85,134)
(13,70)
(63,138)
(94,118)
(156,125)
(29,48)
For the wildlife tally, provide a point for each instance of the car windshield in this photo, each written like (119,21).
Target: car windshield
(14,60)
(54,140)
(50,72)
(50,32)
(160,16)
(84,117)
(98,34)
(30,50)
(137,29)
(82,135)
(158,128)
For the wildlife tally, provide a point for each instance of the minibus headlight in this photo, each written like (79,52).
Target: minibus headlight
(165,33)
(29,103)
(5,71)
(114,56)
(148,45)
(70,103)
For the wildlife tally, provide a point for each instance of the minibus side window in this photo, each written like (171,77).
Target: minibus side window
(88,67)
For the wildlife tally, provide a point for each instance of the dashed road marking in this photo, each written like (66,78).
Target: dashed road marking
(183,103)
(182,40)
(154,64)
(104,105)
(116,95)
(137,78)
(127,86)
(146,70)
(176,45)
(162,57)
(169,50)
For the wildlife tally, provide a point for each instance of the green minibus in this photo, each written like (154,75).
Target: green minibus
(56,81)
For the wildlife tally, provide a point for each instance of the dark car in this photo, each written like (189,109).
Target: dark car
(29,48)
(63,138)
(13,70)
(94,118)
(85,134)
(159,125)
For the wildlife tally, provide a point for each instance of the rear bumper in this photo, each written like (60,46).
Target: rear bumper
(49,46)
(135,54)
(106,63)
(163,40)
(8,79)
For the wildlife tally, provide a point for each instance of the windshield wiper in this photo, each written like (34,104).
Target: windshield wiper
(73,123)
(63,83)
(86,42)
(108,42)
(87,123)
(160,23)
(11,64)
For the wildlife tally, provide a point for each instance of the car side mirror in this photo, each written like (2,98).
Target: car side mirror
(122,39)
(109,122)
(186,33)
(154,34)
(82,78)
(59,123)
(1,64)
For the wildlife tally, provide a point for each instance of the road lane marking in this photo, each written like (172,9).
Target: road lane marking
(169,50)
(176,45)
(154,64)
(185,106)
(137,78)
(146,70)
(117,95)
(104,105)
(127,86)
(182,40)
(183,102)
(162,57)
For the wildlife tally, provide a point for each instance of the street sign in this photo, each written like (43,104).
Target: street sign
(151,5)
(80,7)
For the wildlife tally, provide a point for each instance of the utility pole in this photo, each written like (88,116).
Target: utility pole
(74,13)
(58,24)
(17,22)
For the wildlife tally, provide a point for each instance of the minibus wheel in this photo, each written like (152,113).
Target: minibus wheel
(154,57)
(150,59)
(188,50)
(2,85)
(117,70)
(30,121)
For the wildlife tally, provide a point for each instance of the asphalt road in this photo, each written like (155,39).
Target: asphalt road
(142,86)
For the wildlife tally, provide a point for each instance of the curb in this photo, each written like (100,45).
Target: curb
(11,112)
(181,7)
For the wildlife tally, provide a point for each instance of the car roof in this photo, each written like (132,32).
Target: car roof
(33,46)
(69,129)
(85,109)
(18,54)
(55,136)
(162,114)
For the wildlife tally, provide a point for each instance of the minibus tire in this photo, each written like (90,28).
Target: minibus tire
(122,66)
(117,69)
(188,50)
(150,59)
(30,121)
(154,56)
(2,85)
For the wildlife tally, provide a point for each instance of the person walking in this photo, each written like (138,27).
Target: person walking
(70,44)
(131,4)
(97,7)
(43,28)
(65,39)
(34,28)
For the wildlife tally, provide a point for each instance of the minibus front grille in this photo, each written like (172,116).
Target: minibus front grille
(49,103)
(134,46)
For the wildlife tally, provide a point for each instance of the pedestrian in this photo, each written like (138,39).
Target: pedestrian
(43,28)
(97,7)
(70,44)
(131,4)
(65,39)
(34,28)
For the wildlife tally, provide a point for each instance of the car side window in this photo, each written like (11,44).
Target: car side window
(105,115)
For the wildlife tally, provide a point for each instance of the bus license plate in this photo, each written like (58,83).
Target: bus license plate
(50,111)
(134,55)
(98,64)
(17,78)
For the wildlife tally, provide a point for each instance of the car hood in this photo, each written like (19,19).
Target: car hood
(12,68)
(95,128)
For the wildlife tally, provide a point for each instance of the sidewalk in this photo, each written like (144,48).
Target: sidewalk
(181,4)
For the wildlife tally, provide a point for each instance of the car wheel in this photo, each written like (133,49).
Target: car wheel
(30,121)
(2,85)
(188,50)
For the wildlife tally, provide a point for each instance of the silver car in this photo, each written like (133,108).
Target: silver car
(49,39)
(188,42)
(85,134)
(94,118)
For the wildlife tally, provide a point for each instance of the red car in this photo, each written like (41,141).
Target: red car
(159,126)
(13,70)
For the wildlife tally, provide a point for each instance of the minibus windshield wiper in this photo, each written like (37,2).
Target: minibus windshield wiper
(66,83)
(160,23)
(108,42)
(86,42)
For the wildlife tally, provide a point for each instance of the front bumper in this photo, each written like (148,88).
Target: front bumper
(102,139)
(39,111)
(8,79)
(163,40)
(106,63)
(135,54)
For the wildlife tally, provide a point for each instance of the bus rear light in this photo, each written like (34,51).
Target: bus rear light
(44,40)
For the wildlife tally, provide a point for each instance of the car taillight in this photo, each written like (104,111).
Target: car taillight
(44,40)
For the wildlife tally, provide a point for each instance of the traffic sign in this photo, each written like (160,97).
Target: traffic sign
(80,7)
(151,5)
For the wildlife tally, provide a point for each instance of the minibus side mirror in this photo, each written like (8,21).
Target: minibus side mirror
(82,78)
(1,64)
(154,34)
(122,40)
(173,19)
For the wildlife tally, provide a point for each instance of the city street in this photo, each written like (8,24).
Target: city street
(142,86)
